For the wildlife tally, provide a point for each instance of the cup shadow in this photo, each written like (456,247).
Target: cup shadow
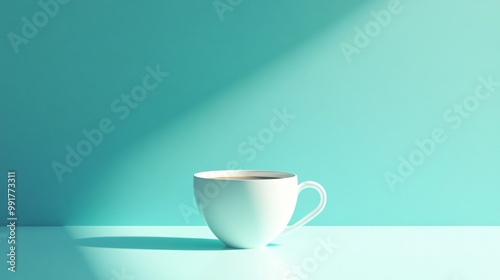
(156,243)
(153,243)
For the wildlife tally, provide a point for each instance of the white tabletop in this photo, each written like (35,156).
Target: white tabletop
(344,253)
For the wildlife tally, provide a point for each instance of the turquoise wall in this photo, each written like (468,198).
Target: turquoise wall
(108,108)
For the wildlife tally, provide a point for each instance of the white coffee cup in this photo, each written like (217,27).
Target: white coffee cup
(250,208)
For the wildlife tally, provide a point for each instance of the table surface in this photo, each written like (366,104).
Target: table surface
(343,253)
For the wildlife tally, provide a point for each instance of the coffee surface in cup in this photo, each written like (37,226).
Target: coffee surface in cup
(243,178)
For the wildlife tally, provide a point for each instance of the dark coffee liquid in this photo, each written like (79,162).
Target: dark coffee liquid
(243,178)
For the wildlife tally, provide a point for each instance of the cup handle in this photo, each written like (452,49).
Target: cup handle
(313,213)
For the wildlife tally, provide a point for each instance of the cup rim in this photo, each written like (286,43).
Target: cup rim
(216,174)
